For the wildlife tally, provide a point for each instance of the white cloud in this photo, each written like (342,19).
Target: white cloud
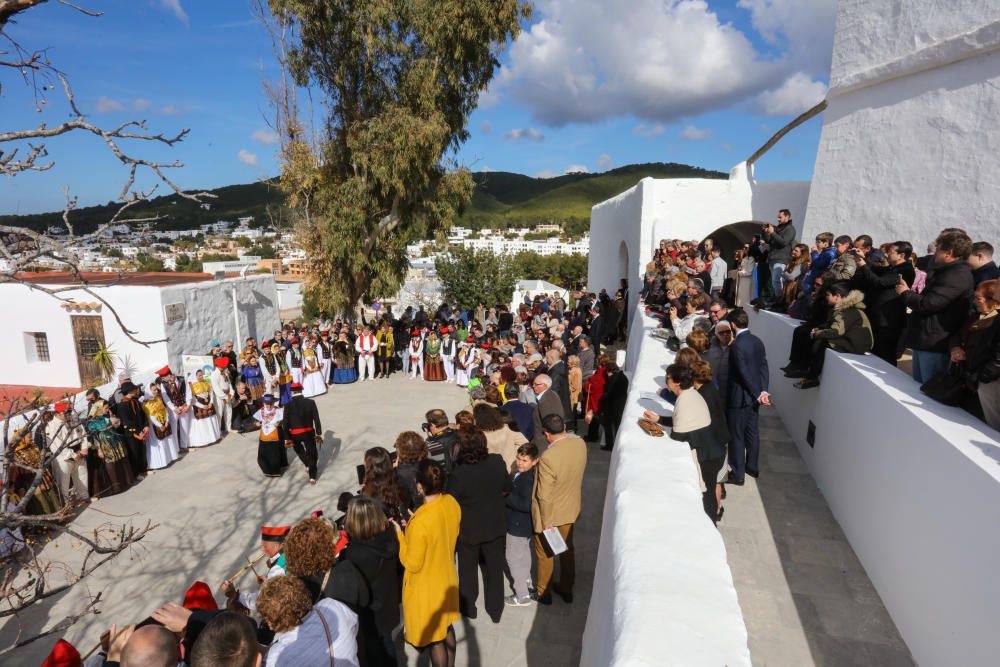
(108,105)
(524,134)
(265,136)
(651,130)
(140,104)
(486,169)
(604,162)
(174,7)
(170,110)
(486,127)
(247,158)
(692,133)
(794,96)
(546,173)
(588,60)
(577,169)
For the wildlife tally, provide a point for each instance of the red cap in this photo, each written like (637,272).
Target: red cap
(415,332)
(470,339)
(485,346)
(61,406)
(163,372)
(199,596)
(63,654)
(444,330)
(221,362)
(296,386)
(274,533)
(295,341)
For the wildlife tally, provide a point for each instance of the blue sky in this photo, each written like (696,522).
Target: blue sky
(589,84)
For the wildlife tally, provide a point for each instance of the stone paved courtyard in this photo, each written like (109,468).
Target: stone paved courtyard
(805,597)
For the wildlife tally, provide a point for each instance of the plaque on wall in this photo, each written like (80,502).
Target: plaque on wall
(174,312)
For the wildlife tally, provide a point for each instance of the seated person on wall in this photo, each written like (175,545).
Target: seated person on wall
(847,330)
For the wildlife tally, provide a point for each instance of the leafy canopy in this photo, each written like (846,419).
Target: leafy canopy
(399,79)
(471,278)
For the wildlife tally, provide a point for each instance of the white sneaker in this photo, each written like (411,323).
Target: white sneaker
(514,601)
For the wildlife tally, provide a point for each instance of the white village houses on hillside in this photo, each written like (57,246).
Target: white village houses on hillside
(51,343)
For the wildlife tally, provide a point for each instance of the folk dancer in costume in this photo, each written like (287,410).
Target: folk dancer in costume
(272,457)
(463,361)
(325,354)
(416,353)
(433,367)
(205,424)
(253,376)
(174,394)
(70,464)
(293,360)
(27,455)
(385,350)
(161,444)
(448,351)
(272,540)
(222,393)
(111,453)
(135,427)
(312,373)
(303,429)
(271,365)
(343,356)
(365,346)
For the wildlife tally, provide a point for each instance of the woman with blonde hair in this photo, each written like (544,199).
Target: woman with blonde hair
(575,378)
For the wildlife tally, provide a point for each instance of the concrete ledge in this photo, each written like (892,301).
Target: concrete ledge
(915,486)
(663,593)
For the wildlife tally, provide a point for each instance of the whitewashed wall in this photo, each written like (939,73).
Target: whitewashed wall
(682,208)
(663,592)
(210,314)
(29,310)
(909,142)
(914,484)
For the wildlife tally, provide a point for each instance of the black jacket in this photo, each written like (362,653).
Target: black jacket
(748,375)
(884,307)
(518,503)
(941,309)
(615,396)
(505,321)
(441,448)
(987,271)
(560,385)
(524,414)
(548,404)
(376,559)
(720,427)
(479,489)
(301,412)
(406,473)
(779,244)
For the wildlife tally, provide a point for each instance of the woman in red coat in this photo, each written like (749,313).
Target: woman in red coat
(593,389)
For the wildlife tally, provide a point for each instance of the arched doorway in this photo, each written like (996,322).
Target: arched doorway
(734,236)
(623,263)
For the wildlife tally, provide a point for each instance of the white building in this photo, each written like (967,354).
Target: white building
(246,263)
(910,142)
(51,343)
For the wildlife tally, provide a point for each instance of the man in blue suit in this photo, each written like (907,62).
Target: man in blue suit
(747,391)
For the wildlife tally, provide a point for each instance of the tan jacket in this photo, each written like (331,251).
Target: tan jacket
(505,442)
(559,483)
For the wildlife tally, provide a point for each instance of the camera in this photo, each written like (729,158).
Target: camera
(425,427)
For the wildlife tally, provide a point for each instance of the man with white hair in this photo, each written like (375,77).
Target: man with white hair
(547,403)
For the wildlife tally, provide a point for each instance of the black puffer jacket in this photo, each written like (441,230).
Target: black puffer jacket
(376,559)
(941,309)
(885,307)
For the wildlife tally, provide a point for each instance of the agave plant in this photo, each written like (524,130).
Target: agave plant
(106,359)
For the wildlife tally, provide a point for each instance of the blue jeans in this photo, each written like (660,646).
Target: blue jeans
(777,284)
(928,364)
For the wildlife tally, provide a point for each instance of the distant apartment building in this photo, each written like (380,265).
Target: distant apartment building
(246,263)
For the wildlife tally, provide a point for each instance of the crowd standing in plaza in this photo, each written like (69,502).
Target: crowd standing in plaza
(495,489)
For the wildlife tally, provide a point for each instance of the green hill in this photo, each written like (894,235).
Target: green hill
(500,200)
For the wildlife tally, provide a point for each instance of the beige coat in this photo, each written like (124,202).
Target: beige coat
(559,483)
(505,442)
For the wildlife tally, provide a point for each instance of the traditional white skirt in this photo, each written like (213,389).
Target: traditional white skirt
(181,427)
(204,431)
(313,385)
(161,453)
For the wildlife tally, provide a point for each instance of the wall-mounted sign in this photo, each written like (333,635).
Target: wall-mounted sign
(174,312)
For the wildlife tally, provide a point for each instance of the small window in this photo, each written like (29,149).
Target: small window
(89,346)
(36,344)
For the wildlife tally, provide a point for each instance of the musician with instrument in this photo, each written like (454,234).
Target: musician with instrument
(272,541)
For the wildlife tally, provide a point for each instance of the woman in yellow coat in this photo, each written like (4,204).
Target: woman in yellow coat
(430,581)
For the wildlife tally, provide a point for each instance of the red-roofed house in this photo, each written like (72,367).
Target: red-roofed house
(52,343)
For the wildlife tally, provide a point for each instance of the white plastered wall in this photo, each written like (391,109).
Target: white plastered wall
(681,208)
(909,142)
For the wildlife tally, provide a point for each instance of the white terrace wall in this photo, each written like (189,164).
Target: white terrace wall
(211,314)
(909,142)
(27,310)
(625,230)
(914,484)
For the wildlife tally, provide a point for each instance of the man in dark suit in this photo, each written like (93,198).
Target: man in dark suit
(301,423)
(547,403)
(747,391)
(560,379)
(523,413)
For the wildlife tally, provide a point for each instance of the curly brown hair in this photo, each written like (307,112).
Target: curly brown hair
(471,443)
(686,356)
(699,341)
(465,418)
(284,602)
(309,548)
(410,447)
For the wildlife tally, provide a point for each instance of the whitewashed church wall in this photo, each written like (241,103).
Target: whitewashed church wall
(914,485)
